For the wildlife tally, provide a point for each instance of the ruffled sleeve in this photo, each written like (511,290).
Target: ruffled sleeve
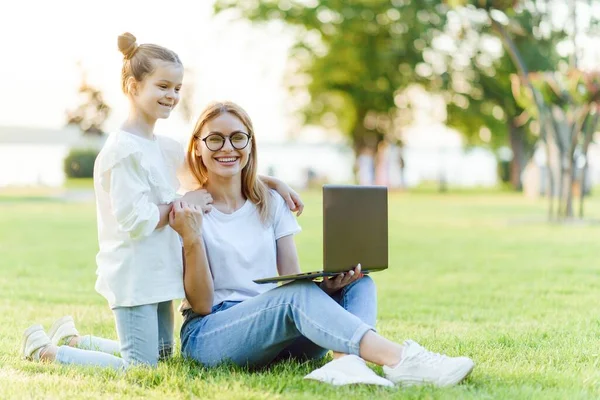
(129,179)
(129,198)
(119,146)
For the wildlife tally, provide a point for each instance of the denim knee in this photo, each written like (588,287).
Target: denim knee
(366,286)
(299,289)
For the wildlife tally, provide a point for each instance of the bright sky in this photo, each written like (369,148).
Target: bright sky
(42,42)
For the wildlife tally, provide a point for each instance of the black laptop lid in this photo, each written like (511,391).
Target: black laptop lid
(355,227)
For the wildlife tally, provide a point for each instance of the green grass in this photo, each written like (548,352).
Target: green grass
(473,274)
(79,183)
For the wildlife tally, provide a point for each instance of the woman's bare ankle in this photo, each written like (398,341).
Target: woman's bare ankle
(397,357)
(379,350)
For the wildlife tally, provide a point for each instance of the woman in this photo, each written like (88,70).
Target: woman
(249,235)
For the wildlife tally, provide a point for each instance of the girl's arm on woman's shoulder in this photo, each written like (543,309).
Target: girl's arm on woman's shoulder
(292,199)
(287,256)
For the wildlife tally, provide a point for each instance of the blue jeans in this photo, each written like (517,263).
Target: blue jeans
(297,320)
(145,335)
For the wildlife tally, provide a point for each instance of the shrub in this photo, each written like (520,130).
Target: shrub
(79,163)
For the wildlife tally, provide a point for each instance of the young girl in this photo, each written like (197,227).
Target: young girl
(249,235)
(140,267)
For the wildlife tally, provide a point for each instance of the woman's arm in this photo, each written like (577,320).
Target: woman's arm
(292,199)
(287,256)
(197,280)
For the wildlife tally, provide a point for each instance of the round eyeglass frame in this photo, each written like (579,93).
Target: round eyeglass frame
(225,138)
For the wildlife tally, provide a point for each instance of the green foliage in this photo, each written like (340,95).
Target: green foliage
(92,111)
(356,56)
(79,163)
(561,102)
(501,5)
(479,93)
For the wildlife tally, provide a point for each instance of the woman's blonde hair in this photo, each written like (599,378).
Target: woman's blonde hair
(252,188)
(137,59)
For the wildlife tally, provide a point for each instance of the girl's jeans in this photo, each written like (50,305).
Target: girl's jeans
(145,335)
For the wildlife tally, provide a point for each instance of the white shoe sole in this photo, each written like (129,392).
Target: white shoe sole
(458,376)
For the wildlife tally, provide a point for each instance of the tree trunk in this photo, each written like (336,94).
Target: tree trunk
(544,118)
(582,187)
(576,131)
(563,190)
(589,129)
(570,176)
(517,164)
(550,190)
(364,139)
(358,141)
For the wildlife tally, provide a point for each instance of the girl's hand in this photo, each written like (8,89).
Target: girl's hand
(186,220)
(290,196)
(199,197)
(332,284)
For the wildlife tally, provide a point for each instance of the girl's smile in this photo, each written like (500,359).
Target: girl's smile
(158,93)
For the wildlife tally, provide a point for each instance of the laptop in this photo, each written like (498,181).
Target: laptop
(355,230)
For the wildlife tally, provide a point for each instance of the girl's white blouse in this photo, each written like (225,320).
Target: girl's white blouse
(137,264)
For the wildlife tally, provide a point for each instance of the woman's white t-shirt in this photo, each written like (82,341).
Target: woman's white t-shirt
(137,263)
(241,248)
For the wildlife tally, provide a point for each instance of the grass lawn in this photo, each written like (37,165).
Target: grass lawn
(471,274)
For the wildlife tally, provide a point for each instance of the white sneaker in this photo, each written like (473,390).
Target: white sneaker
(347,370)
(34,338)
(62,329)
(419,366)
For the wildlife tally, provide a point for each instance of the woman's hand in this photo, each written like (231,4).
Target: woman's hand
(292,199)
(332,284)
(186,220)
(200,198)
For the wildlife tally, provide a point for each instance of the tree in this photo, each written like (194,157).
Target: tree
(477,77)
(353,58)
(92,111)
(563,102)
(571,101)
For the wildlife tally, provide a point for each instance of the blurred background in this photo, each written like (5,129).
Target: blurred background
(446,94)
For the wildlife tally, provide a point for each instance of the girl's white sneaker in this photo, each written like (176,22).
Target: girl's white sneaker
(34,338)
(62,329)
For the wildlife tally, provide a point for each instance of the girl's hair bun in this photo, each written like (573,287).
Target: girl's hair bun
(127,45)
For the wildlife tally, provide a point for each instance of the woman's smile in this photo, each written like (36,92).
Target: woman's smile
(227,161)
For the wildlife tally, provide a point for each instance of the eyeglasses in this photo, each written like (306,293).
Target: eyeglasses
(216,141)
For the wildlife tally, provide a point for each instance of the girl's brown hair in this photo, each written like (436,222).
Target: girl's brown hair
(252,188)
(138,59)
